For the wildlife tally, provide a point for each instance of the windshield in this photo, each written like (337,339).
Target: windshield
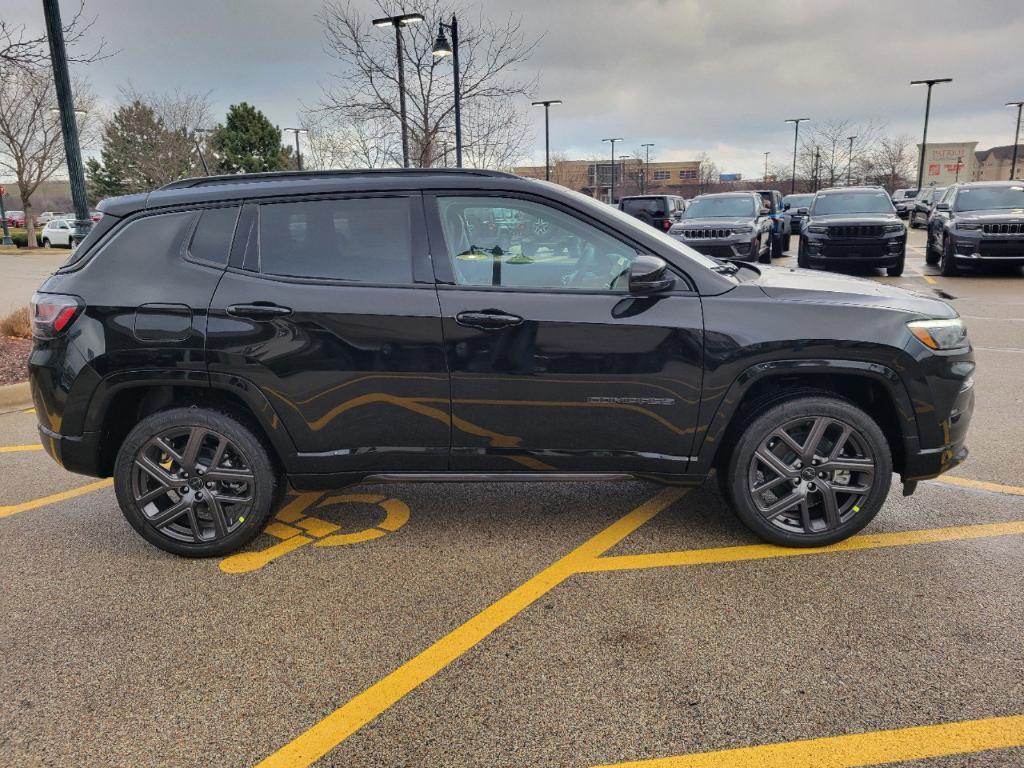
(852,202)
(720,208)
(798,201)
(986,198)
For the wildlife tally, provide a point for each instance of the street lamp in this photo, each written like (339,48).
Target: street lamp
(441,48)
(647,165)
(796,133)
(195,140)
(849,160)
(765,179)
(1016,137)
(298,152)
(611,191)
(927,109)
(398,22)
(547,136)
(68,124)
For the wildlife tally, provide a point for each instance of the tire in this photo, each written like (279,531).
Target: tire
(801,515)
(46,242)
(766,257)
(931,256)
(912,221)
(947,262)
(801,256)
(244,480)
(776,247)
(785,243)
(898,269)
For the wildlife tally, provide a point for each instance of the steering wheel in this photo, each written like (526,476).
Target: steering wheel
(592,268)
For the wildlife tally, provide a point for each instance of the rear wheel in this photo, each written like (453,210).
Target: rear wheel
(46,242)
(785,243)
(195,482)
(931,253)
(809,472)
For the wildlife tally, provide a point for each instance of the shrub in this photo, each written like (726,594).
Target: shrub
(17,324)
(20,237)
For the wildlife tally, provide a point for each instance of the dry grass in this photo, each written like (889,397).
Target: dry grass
(17,324)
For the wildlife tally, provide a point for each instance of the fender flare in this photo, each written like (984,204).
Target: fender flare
(726,407)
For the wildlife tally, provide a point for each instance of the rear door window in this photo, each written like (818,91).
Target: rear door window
(367,240)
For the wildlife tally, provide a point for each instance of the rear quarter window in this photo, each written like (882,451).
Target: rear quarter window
(212,239)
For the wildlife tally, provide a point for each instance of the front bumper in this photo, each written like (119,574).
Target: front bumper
(723,248)
(989,249)
(875,252)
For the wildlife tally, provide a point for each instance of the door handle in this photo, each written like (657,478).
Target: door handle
(258,311)
(488,319)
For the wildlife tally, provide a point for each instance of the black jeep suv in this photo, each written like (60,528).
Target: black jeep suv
(215,339)
(853,226)
(980,222)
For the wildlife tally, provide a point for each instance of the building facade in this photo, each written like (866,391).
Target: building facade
(994,164)
(632,176)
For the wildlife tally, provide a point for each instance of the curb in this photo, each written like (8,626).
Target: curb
(15,394)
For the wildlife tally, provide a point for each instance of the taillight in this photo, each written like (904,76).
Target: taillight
(666,224)
(53,313)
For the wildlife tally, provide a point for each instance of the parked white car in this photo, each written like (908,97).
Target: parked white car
(57,232)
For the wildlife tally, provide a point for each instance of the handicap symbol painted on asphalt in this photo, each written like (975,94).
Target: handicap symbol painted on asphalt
(294,528)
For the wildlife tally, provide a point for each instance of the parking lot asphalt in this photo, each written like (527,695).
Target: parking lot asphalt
(530,624)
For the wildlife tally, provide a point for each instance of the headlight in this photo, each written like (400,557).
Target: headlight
(894,228)
(818,230)
(676,231)
(968,227)
(742,230)
(940,334)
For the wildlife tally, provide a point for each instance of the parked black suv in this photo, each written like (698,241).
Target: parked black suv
(793,205)
(982,222)
(219,337)
(660,211)
(853,226)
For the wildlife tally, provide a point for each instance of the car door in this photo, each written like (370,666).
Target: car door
(330,309)
(554,365)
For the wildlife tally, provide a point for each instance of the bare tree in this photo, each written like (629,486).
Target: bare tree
(366,89)
(21,50)
(708,172)
(31,143)
(891,163)
(336,143)
(830,138)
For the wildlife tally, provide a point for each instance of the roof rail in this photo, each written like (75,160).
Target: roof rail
(249,178)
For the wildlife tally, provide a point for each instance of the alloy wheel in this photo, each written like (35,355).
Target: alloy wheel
(811,475)
(192,484)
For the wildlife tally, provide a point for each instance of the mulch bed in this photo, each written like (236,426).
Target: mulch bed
(14,359)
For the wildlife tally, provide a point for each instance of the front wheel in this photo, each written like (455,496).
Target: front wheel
(809,472)
(801,256)
(785,243)
(898,269)
(195,482)
(947,263)
(46,242)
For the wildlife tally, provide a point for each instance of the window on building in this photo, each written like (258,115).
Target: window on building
(687,173)
(662,175)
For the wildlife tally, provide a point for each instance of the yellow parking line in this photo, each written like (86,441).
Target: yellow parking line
(764,551)
(14,509)
(930,280)
(20,448)
(858,749)
(982,485)
(320,739)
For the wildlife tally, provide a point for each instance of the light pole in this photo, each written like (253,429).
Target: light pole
(441,48)
(6,239)
(927,110)
(611,191)
(68,123)
(622,166)
(547,135)
(849,160)
(959,165)
(298,151)
(765,179)
(398,22)
(1016,137)
(647,165)
(816,167)
(195,140)
(796,134)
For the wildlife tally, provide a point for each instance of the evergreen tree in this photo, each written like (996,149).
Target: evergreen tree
(249,143)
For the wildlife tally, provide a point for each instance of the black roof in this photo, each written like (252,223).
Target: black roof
(255,185)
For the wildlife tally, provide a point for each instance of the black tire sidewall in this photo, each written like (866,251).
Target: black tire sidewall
(266,485)
(947,262)
(807,406)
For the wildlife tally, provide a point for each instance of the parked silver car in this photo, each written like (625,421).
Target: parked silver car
(727,225)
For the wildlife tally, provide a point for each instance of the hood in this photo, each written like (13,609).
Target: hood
(811,286)
(1000,215)
(855,218)
(717,223)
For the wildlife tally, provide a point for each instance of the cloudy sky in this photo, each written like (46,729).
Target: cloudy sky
(689,75)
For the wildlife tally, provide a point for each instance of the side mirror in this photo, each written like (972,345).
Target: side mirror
(649,274)
(765,210)
(803,211)
(786,206)
(942,206)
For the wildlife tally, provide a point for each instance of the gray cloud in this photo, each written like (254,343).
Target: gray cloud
(685,74)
